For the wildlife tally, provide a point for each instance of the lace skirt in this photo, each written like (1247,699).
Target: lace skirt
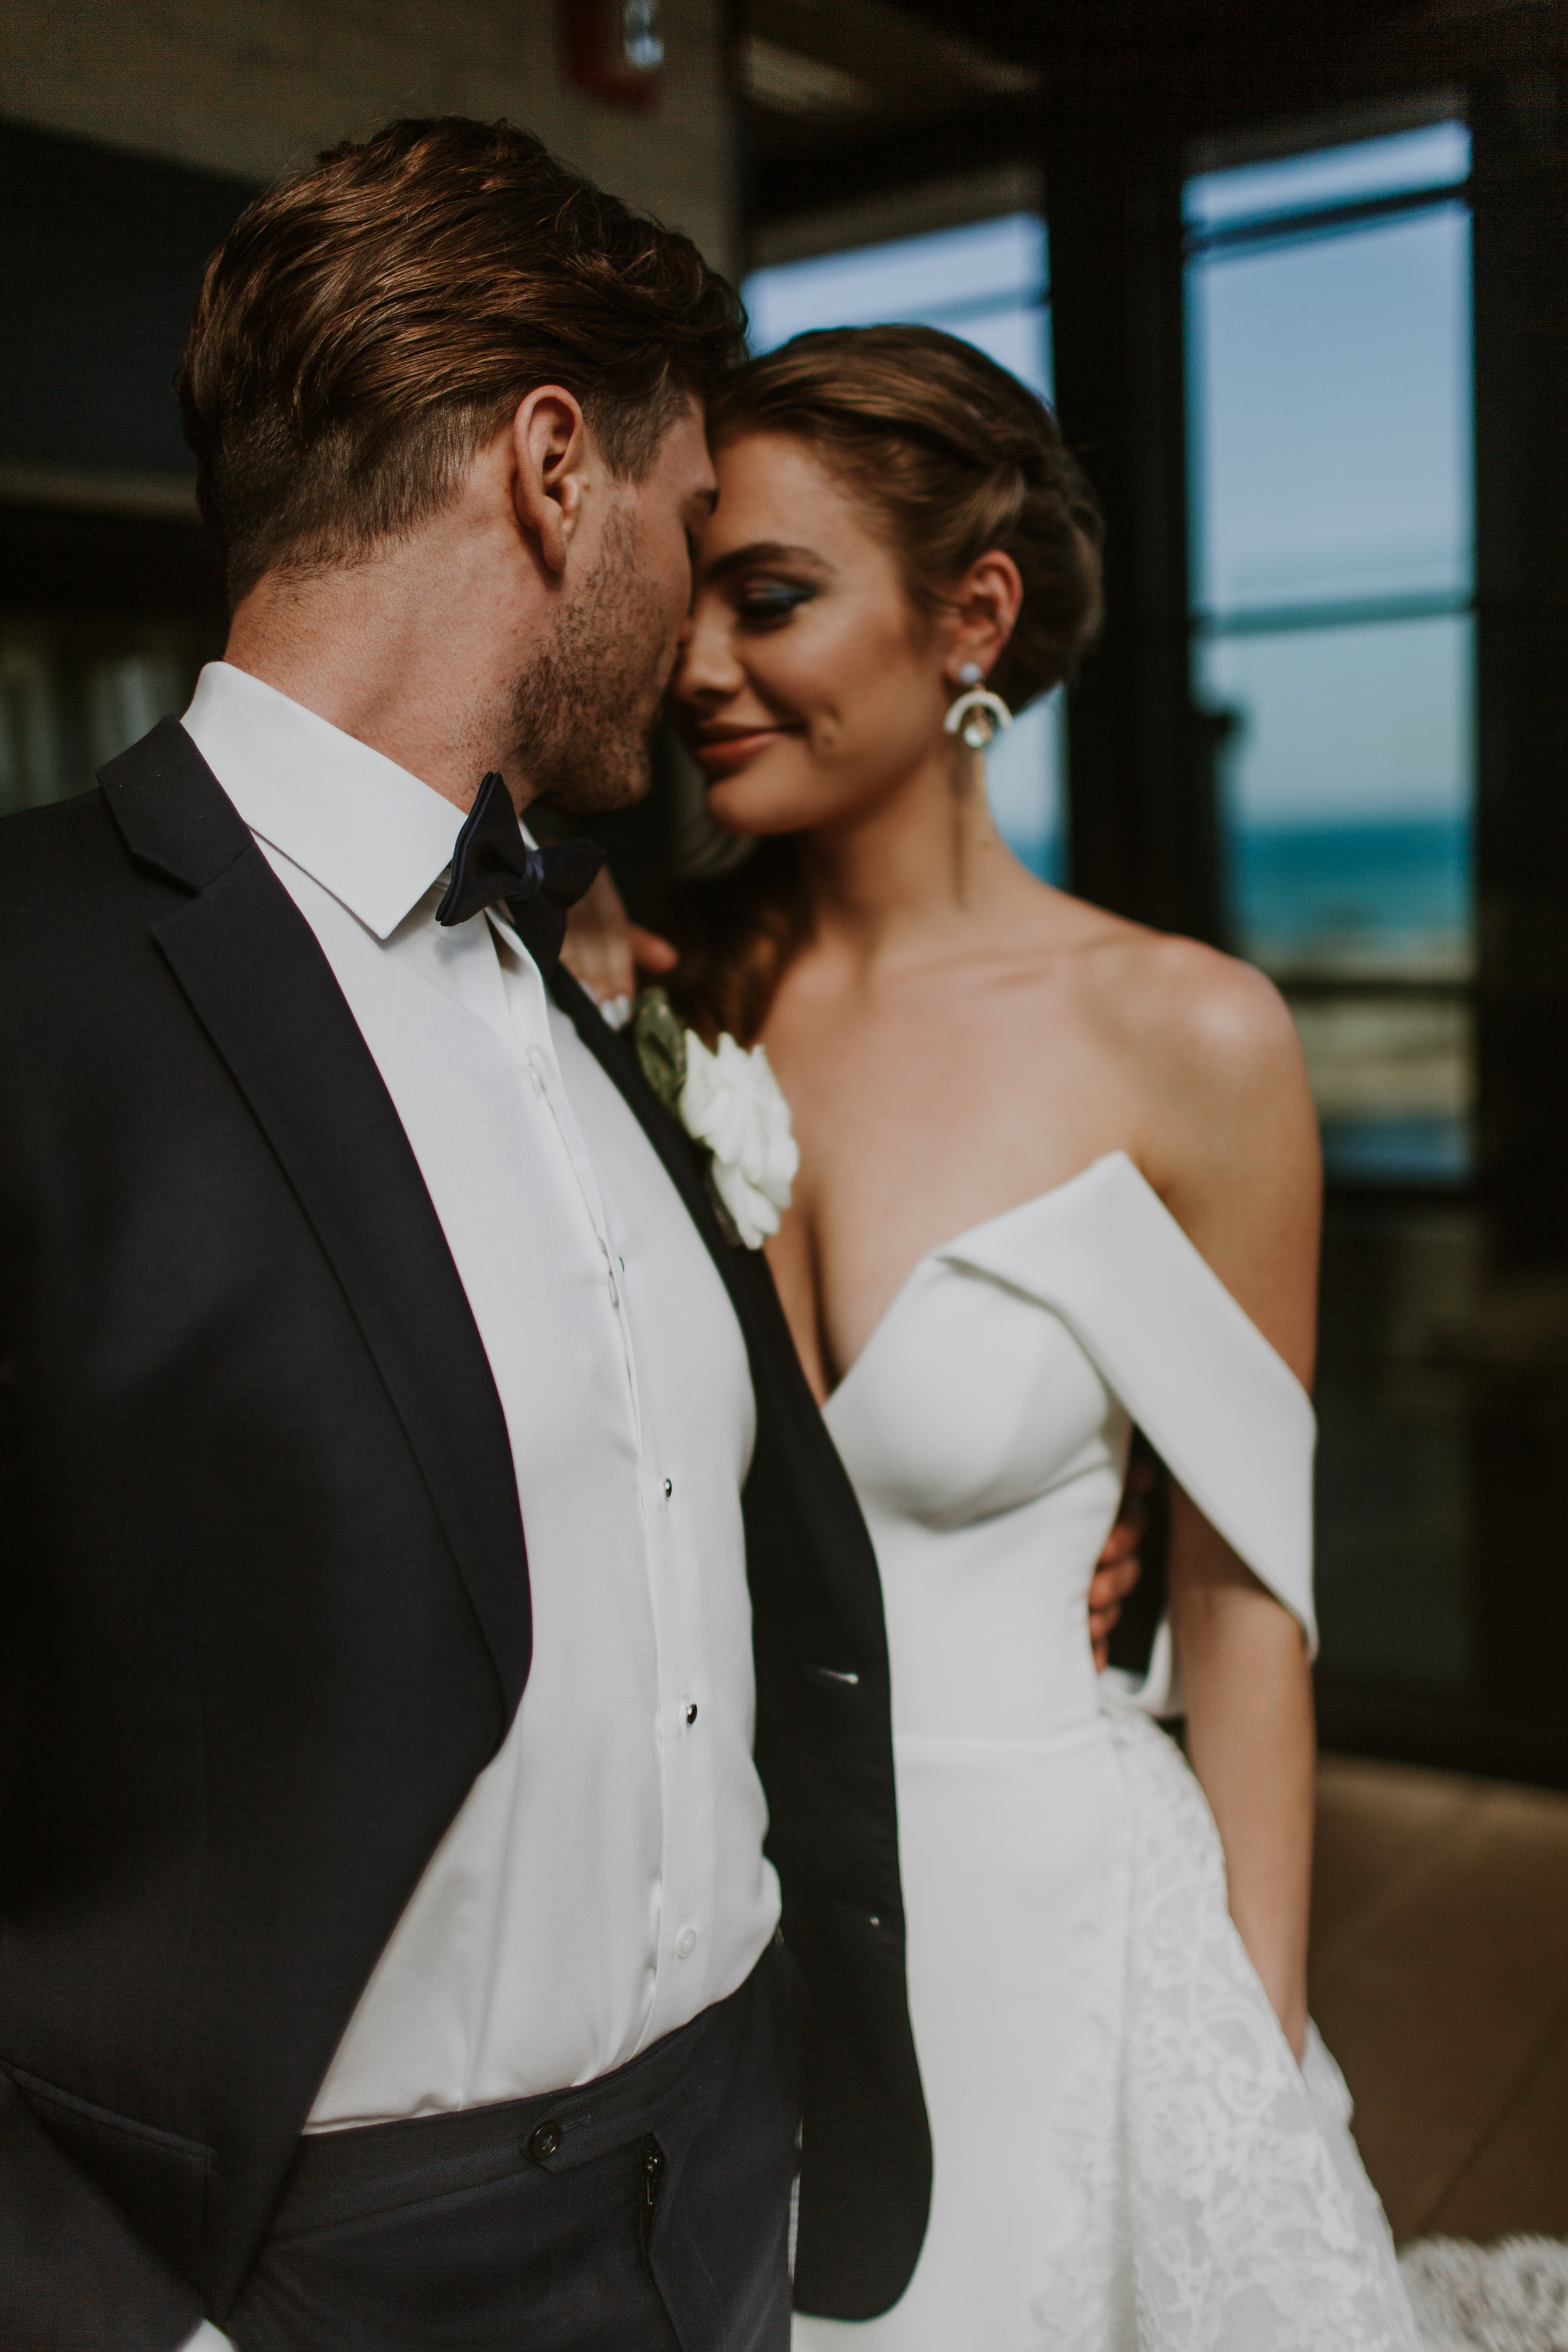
(1127,2157)
(1224,2206)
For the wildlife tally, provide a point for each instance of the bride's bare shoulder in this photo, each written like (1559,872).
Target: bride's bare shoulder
(1193,1021)
(1193,1060)
(1206,1014)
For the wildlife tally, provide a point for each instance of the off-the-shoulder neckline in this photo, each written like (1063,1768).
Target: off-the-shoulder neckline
(971,1233)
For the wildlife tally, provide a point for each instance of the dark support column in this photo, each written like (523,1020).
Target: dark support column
(1520,193)
(1142,823)
(1518,1448)
(1143,817)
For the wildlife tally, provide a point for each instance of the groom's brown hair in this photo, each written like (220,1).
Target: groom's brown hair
(367,326)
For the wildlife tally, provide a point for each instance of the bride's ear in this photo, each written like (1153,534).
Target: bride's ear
(988,598)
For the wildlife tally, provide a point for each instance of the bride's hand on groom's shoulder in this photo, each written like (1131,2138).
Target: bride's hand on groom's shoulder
(605,951)
(1118,1567)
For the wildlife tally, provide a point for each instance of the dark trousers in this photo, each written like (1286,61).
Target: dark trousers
(645,2211)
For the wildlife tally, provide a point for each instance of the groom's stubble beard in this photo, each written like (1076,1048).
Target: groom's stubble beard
(585,709)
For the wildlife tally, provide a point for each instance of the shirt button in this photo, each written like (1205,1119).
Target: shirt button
(691,1710)
(685,1942)
(615,1294)
(535,1077)
(669,1488)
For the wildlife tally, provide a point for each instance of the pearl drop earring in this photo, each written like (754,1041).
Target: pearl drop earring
(970,674)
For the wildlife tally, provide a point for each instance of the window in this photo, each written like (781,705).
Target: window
(1329,333)
(987,283)
(77,688)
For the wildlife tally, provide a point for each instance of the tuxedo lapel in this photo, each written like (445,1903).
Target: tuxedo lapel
(257,979)
(612,1051)
(797,1433)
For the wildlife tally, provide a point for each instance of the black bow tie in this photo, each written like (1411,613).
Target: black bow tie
(492,861)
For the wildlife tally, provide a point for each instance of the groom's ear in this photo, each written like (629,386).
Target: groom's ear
(553,459)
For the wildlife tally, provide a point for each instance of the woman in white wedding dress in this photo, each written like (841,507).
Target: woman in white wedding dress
(1059,1175)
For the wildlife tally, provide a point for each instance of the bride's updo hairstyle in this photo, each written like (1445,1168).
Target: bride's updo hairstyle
(950,457)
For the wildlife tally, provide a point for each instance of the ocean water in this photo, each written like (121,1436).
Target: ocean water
(1392,899)
(1438,1149)
(1396,892)
(1311,892)
(1386,900)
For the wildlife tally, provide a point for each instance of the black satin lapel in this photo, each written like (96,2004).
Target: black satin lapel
(795,1457)
(173,813)
(262,988)
(612,1050)
(746,1273)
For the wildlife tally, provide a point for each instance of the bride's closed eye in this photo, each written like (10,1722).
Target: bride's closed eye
(763,602)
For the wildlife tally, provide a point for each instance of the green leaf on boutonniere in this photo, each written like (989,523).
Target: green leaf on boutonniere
(659,1039)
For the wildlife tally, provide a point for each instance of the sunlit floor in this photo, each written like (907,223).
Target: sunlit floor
(1440,1983)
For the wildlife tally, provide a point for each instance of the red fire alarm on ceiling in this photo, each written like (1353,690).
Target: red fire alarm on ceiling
(615,47)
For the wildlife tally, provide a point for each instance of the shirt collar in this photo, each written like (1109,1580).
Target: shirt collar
(362,827)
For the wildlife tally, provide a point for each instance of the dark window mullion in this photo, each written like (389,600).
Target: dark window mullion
(1344,613)
(1266,230)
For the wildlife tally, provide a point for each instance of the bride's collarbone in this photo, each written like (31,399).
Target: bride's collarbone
(890,1171)
(919,1121)
(844,1257)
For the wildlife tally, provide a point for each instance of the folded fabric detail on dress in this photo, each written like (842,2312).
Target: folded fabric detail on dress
(1222,1409)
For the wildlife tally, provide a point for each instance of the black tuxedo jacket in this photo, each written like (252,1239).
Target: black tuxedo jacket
(265,1587)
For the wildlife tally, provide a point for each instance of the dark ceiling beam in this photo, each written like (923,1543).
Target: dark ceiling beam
(829,166)
(1205,58)
(1190,69)
(1133,53)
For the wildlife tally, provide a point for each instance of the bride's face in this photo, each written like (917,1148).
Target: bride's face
(807,686)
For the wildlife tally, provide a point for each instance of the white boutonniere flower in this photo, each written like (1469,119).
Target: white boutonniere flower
(730,1102)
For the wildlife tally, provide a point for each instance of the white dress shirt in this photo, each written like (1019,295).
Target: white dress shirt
(604,1880)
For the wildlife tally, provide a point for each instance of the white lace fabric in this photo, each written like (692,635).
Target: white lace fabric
(1224,2207)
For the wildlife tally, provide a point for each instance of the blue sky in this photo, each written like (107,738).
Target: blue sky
(983,282)
(1330,404)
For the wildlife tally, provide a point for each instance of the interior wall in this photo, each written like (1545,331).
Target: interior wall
(252,88)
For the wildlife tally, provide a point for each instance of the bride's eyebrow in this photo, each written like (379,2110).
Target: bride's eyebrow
(762,550)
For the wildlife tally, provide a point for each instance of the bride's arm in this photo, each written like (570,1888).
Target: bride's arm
(1250,1741)
(1234,1152)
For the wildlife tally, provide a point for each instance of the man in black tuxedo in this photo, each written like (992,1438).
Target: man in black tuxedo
(416,1521)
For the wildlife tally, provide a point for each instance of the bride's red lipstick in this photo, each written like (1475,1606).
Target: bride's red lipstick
(724,750)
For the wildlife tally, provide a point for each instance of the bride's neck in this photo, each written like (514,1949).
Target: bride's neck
(912,872)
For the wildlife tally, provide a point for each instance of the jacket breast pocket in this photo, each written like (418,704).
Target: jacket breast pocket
(158,2180)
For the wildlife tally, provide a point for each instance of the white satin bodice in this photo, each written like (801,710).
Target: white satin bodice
(1005,1434)
(1016,1474)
